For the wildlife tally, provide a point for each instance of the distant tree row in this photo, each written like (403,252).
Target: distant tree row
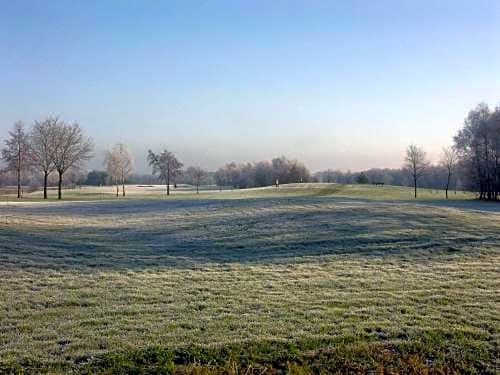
(168,169)
(50,145)
(101,178)
(435,177)
(53,145)
(265,173)
(416,172)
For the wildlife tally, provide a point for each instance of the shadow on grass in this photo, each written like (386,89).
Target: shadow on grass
(245,234)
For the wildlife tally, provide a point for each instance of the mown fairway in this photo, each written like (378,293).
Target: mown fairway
(297,279)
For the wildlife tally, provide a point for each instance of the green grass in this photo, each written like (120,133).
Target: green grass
(302,279)
(395,193)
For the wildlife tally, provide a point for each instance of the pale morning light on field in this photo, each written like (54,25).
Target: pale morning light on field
(249,187)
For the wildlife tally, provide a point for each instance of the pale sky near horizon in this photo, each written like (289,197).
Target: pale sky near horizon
(344,85)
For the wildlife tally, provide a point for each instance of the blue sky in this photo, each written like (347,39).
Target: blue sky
(336,84)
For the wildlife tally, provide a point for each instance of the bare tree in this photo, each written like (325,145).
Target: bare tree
(415,163)
(42,139)
(71,148)
(112,164)
(126,164)
(17,153)
(449,159)
(119,165)
(195,176)
(166,165)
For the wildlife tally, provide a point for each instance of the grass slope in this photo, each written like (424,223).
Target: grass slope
(302,279)
(89,193)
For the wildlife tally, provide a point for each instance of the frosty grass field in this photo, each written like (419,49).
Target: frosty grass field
(307,277)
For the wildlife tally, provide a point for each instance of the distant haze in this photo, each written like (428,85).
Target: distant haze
(342,85)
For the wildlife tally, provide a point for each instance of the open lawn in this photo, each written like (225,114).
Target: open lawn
(91,193)
(353,278)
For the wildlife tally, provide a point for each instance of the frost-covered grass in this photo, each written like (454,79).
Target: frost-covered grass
(289,280)
(91,193)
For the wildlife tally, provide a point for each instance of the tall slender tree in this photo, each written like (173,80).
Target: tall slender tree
(415,163)
(42,140)
(165,165)
(16,153)
(112,164)
(71,148)
(126,164)
(449,162)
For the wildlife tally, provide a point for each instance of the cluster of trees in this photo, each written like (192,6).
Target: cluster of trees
(478,148)
(265,173)
(51,145)
(475,154)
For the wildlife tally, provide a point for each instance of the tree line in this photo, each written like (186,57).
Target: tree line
(279,170)
(435,177)
(53,145)
(416,171)
(167,167)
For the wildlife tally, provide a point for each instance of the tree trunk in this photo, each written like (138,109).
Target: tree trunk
(123,183)
(45,177)
(415,185)
(59,186)
(168,183)
(447,185)
(18,170)
(18,184)
(117,189)
(197,188)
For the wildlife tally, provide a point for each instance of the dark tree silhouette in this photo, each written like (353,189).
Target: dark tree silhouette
(415,163)
(165,165)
